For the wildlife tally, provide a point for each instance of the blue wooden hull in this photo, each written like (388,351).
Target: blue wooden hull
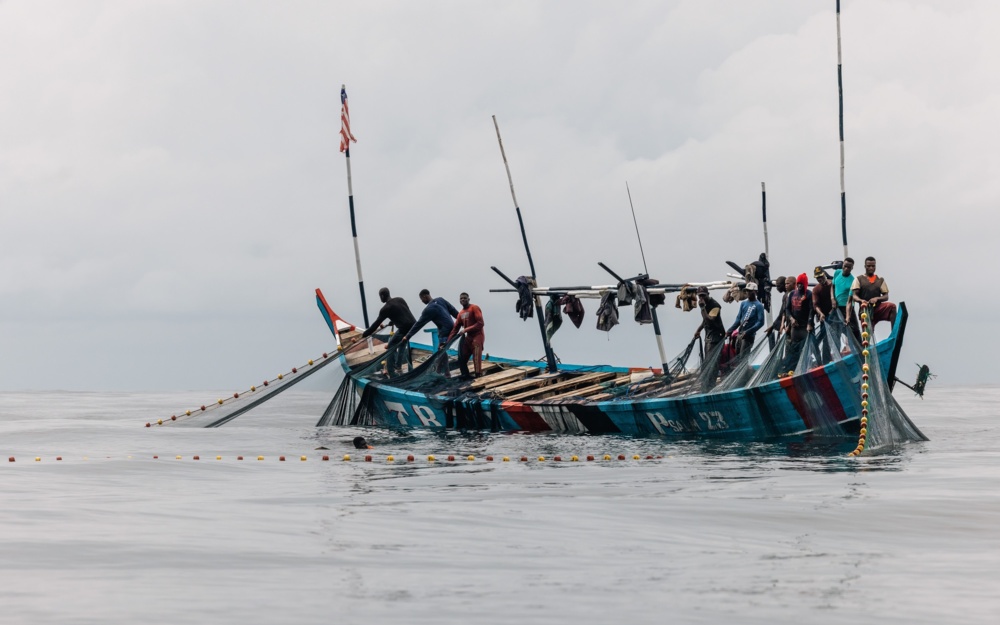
(824,401)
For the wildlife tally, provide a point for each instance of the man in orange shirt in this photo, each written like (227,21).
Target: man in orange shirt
(470,325)
(871,290)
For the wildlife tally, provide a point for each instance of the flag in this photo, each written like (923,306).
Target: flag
(345,122)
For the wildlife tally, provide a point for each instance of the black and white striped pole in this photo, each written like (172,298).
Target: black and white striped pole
(840,89)
(550,356)
(767,250)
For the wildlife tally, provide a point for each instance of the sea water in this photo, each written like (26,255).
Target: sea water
(709,533)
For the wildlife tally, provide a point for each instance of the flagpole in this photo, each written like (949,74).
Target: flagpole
(345,138)
(550,357)
(840,89)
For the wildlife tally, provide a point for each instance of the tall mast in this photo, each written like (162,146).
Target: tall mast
(645,268)
(840,89)
(767,251)
(550,357)
(345,146)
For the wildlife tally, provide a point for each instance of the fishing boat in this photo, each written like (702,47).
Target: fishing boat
(833,385)
(822,401)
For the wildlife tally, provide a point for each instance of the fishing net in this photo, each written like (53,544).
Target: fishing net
(356,404)
(887,425)
(740,369)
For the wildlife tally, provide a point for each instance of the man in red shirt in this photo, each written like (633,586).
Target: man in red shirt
(470,325)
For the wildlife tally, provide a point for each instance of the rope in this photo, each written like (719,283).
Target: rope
(281,381)
(864,383)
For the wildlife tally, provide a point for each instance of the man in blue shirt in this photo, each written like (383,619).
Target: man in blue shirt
(749,319)
(437,310)
(842,282)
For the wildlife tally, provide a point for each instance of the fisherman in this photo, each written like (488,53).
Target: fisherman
(871,290)
(398,313)
(782,285)
(842,283)
(798,323)
(470,320)
(711,321)
(749,319)
(823,302)
(822,295)
(439,310)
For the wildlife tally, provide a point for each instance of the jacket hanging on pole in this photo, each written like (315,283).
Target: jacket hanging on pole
(625,293)
(524,307)
(573,308)
(643,313)
(607,312)
(553,316)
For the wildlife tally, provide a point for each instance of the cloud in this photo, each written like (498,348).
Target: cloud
(171,182)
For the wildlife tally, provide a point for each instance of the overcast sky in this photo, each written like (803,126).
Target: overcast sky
(171,190)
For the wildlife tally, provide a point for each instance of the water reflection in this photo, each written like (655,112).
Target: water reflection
(817,455)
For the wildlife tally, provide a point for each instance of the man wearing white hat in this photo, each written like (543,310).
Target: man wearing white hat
(749,319)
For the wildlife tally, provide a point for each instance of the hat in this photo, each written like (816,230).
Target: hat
(751,286)
(818,271)
(703,290)
(803,279)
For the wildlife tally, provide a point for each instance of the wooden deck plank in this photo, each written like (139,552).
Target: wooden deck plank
(589,390)
(576,382)
(506,376)
(532,382)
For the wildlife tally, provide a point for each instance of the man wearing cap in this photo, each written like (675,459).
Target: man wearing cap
(871,290)
(823,301)
(749,319)
(822,295)
(711,320)
(398,314)
(715,330)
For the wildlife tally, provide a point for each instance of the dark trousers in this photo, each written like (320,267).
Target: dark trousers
(745,344)
(395,360)
(796,341)
(853,322)
(712,342)
(712,345)
(825,343)
(471,347)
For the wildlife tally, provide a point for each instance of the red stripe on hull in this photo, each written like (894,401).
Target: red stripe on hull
(525,417)
(813,380)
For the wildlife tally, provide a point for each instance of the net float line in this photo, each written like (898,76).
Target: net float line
(864,382)
(267,389)
(409,458)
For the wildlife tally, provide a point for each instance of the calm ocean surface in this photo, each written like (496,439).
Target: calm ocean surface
(709,534)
